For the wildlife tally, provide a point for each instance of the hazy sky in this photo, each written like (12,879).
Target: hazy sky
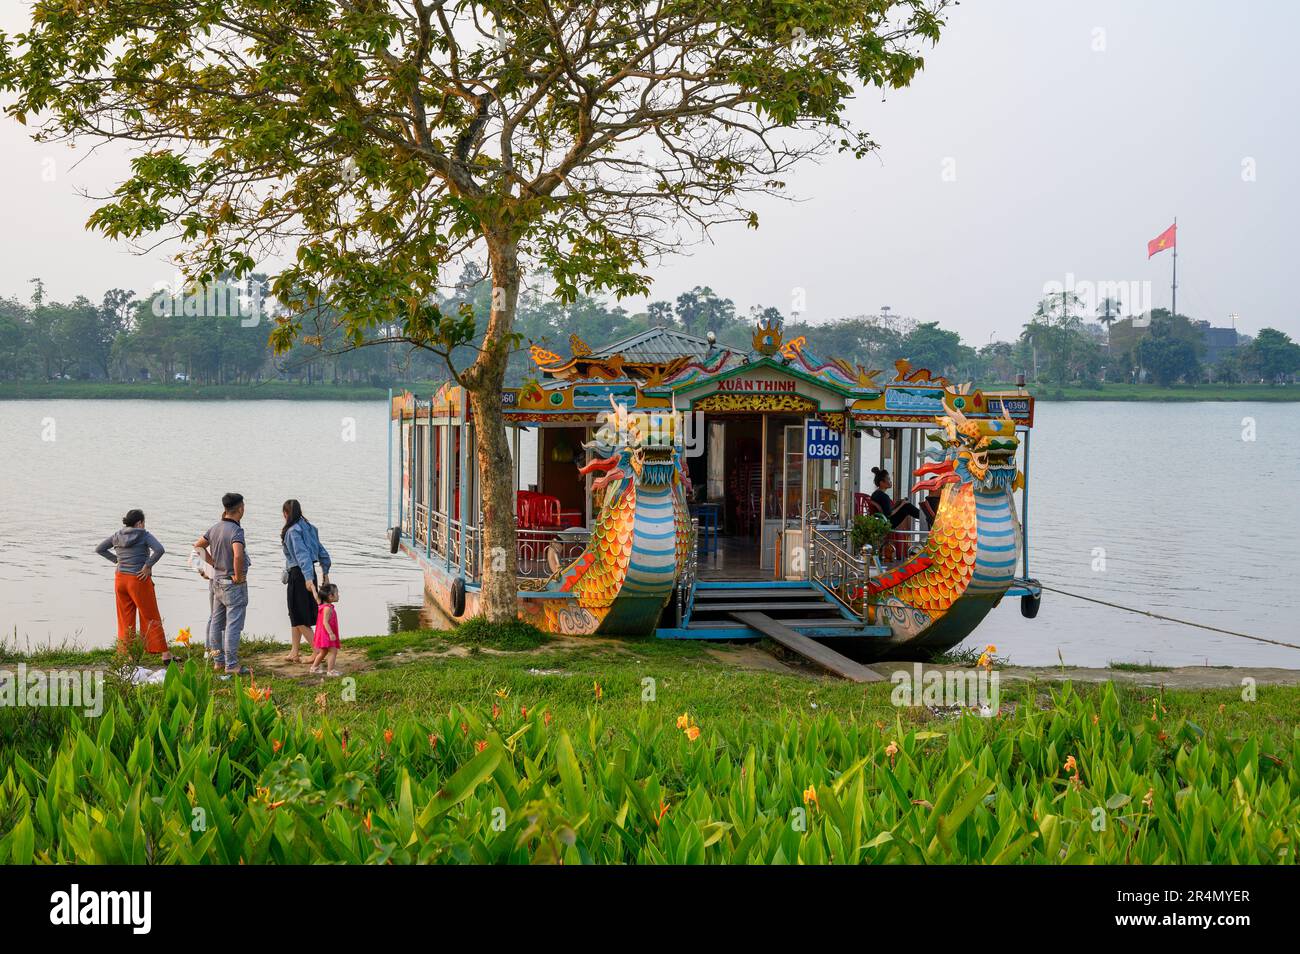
(1043,140)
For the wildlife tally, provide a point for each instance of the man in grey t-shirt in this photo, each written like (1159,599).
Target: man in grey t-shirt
(223,547)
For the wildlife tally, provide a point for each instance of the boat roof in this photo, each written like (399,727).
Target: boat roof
(664,368)
(655,346)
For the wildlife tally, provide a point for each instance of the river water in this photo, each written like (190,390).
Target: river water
(1185,510)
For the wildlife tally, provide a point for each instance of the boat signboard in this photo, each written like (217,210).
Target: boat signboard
(823,443)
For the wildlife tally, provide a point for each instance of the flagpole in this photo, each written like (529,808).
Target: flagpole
(1173,288)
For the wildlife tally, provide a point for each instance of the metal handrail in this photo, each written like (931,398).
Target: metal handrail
(686,580)
(830,563)
(535,548)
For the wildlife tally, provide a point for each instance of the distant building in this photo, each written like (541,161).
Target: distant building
(1219,342)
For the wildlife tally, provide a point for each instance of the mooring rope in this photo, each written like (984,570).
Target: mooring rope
(1170,619)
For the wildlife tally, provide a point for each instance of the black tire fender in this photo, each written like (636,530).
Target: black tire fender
(394,538)
(1029,604)
(458,597)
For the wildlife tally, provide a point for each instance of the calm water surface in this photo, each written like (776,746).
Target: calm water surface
(1161,507)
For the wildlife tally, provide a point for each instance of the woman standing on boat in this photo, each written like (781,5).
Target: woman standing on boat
(135,551)
(302,551)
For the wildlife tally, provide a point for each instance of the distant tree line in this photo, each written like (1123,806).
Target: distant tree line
(176,340)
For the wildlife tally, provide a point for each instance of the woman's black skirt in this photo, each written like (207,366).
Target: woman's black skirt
(302,605)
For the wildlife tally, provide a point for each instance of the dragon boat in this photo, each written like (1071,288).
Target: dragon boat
(669,486)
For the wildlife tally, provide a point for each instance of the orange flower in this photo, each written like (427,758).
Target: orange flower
(496,710)
(523,712)
(891,750)
(1072,767)
(345,740)
(184,636)
(546,717)
(388,737)
(503,693)
(366,821)
(683,721)
(663,810)
(599,692)
(317,734)
(276,745)
(464,728)
(480,745)
(692,732)
(433,741)
(810,796)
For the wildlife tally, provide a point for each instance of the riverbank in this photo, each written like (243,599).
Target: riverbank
(489,645)
(262,391)
(291,391)
(1175,394)
(445,746)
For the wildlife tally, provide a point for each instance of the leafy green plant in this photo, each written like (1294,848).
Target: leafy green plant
(869,529)
(200,771)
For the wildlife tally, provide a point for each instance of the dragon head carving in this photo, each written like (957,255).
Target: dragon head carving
(977,451)
(640,444)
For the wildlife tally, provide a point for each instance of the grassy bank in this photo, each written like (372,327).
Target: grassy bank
(289,391)
(268,390)
(1181,392)
(445,747)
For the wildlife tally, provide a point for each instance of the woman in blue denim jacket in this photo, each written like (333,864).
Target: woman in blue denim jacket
(302,551)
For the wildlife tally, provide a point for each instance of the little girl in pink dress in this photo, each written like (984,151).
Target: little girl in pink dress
(326,641)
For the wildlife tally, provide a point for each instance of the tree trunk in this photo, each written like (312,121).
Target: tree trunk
(483,380)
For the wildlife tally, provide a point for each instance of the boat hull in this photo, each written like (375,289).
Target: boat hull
(549,611)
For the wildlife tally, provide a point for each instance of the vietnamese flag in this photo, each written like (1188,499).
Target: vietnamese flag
(1166,239)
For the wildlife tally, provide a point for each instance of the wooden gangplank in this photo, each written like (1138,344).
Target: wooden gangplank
(810,649)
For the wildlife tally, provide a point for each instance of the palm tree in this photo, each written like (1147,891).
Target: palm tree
(1108,311)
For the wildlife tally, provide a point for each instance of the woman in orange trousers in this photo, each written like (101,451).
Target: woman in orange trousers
(135,550)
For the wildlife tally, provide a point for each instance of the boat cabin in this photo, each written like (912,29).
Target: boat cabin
(777,442)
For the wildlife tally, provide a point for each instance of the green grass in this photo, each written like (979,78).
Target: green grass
(266,390)
(1121,666)
(14,649)
(1154,392)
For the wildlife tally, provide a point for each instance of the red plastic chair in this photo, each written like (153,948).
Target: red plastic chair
(537,511)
